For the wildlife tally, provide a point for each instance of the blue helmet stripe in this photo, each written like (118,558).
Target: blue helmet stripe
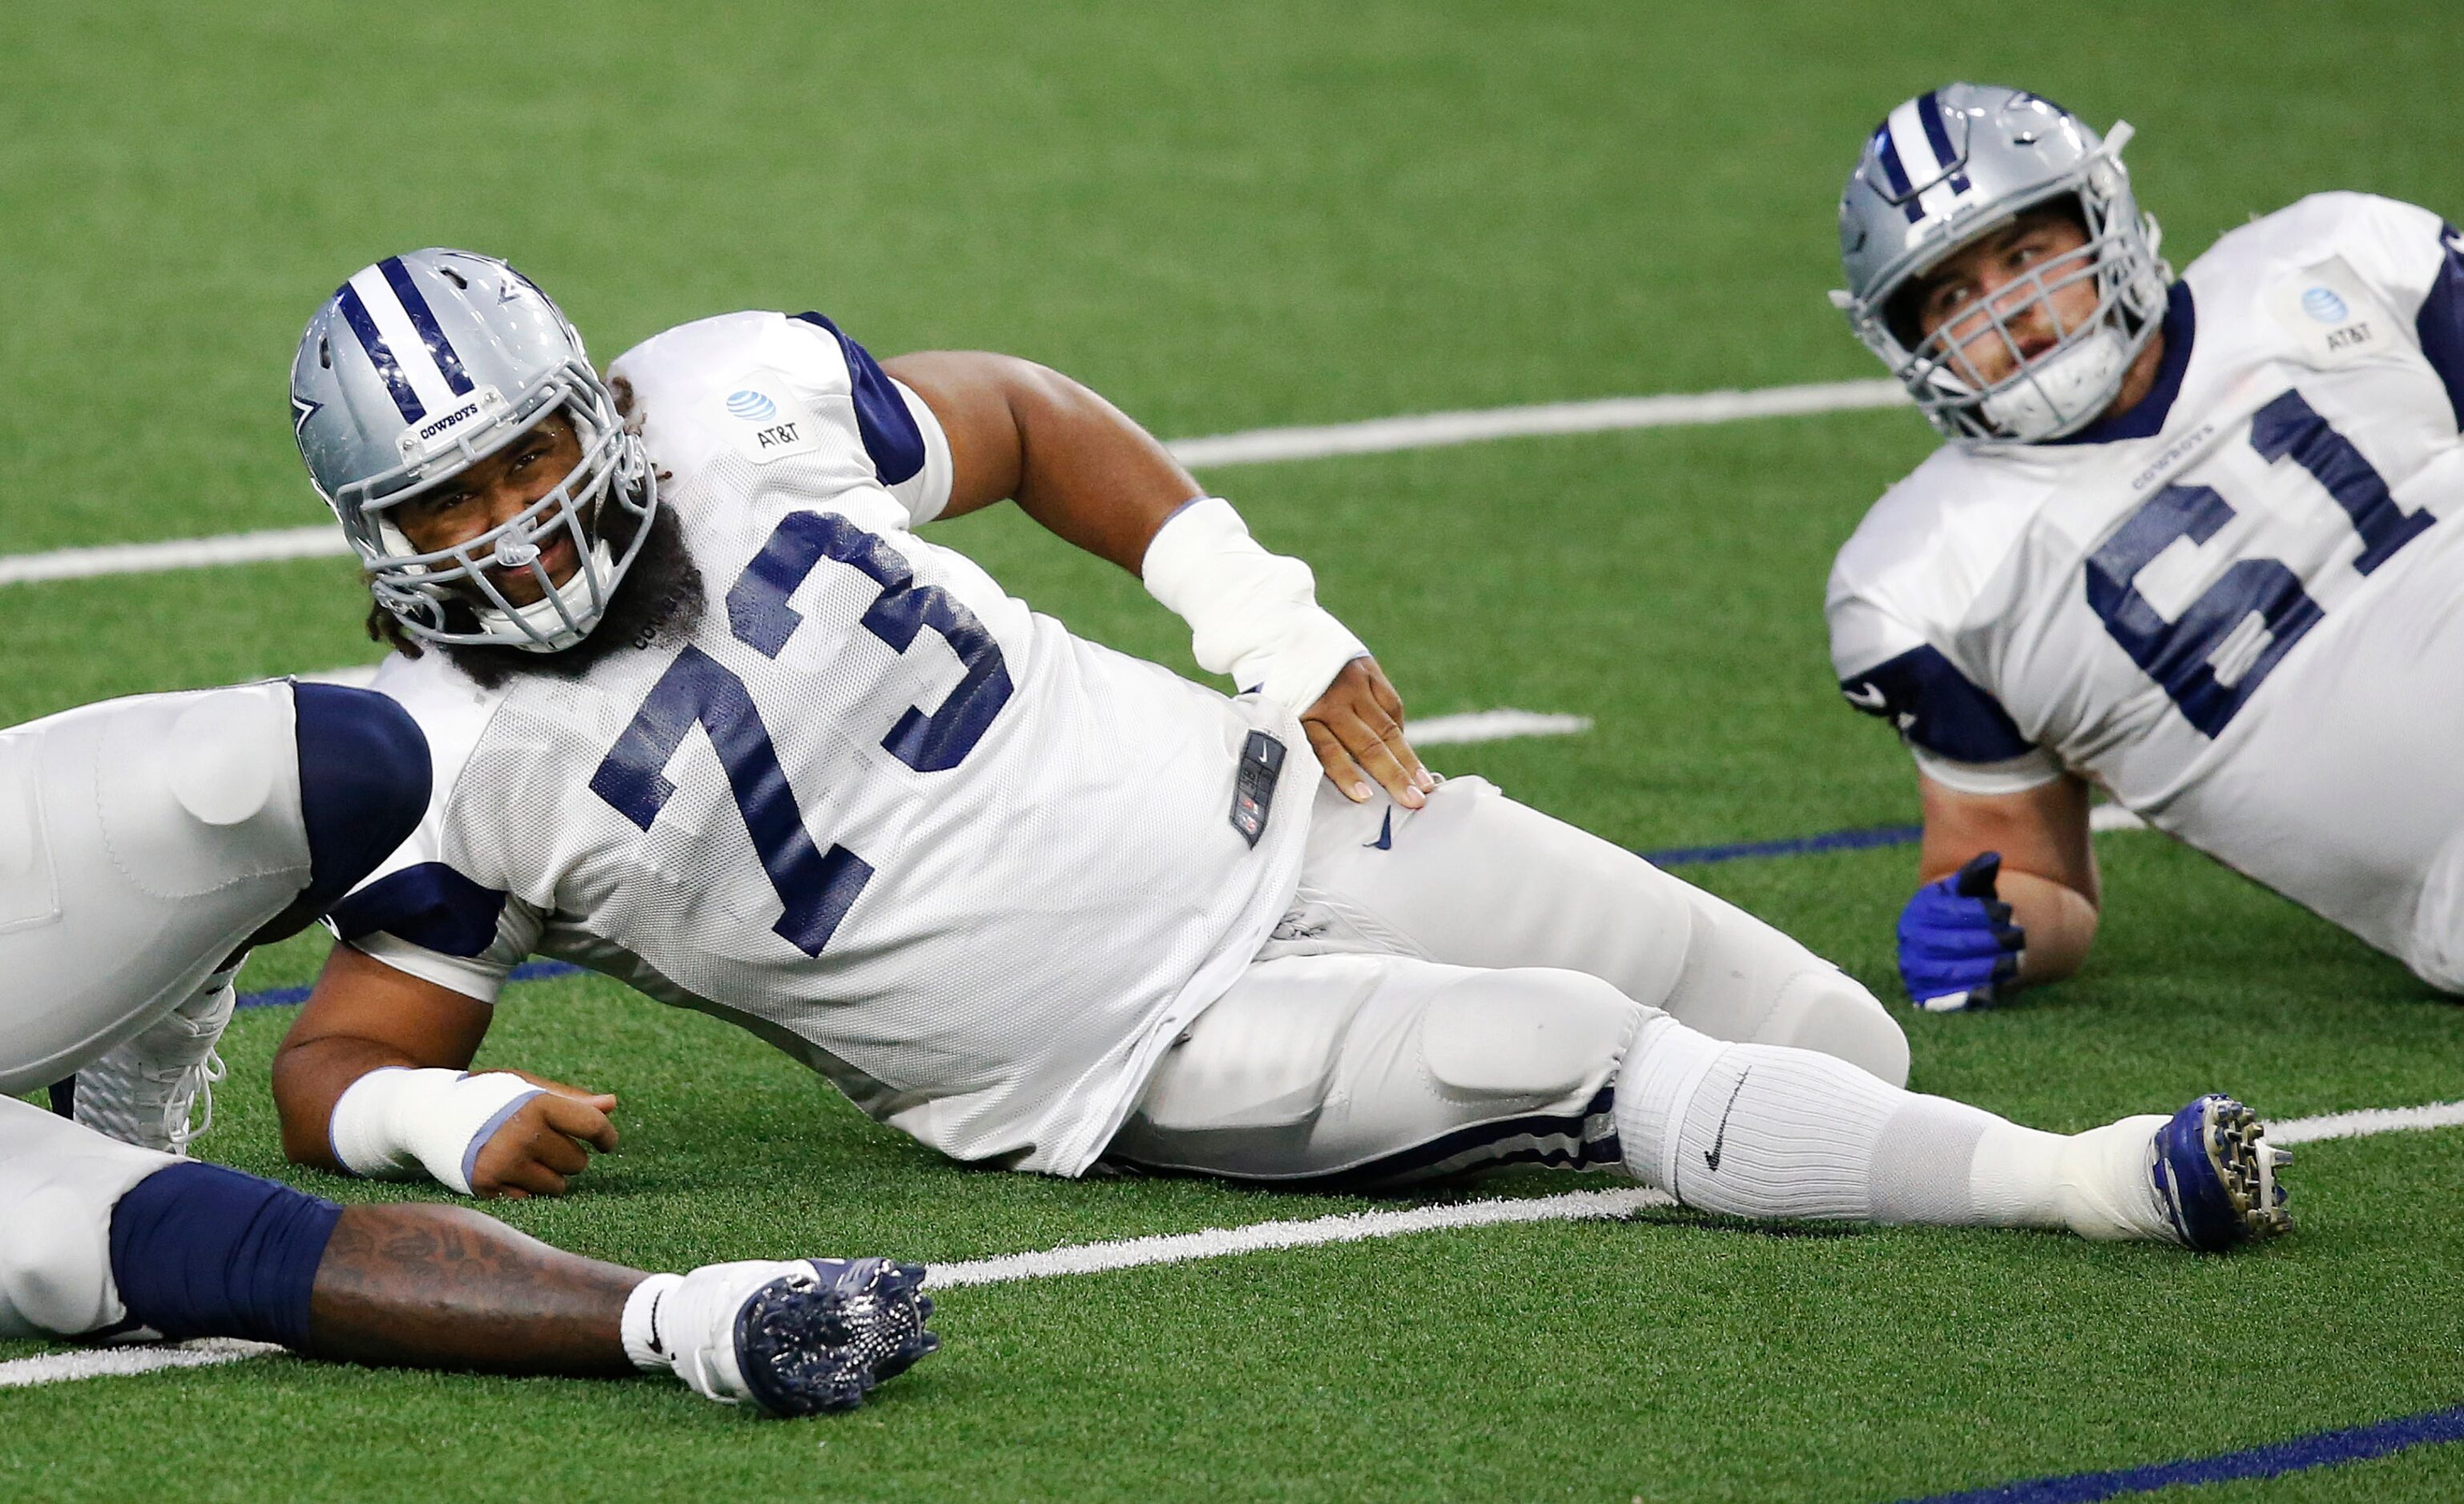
(1895,172)
(424,319)
(380,353)
(1937,137)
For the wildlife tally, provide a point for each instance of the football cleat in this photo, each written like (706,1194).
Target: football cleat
(819,1338)
(157,1091)
(2214,1175)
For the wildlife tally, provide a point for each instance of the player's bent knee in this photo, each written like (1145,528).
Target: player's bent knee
(55,1276)
(365,774)
(1830,1012)
(1532,1033)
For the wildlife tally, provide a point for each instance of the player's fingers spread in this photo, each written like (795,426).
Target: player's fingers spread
(1372,751)
(1399,745)
(1338,762)
(1376,741)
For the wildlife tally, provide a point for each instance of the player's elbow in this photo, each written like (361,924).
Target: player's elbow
(304,1105)
(2061,924)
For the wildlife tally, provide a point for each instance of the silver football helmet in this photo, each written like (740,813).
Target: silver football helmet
(420,366)
(1952,164)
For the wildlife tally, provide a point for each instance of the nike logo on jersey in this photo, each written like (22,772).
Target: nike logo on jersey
(1866,698)
(1385,840)
(1720,1140)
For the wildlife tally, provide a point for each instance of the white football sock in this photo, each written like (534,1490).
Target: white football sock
(686,1323)
(1765,1131)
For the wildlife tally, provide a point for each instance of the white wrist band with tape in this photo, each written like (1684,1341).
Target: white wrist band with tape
(1251,613)
(392,1123)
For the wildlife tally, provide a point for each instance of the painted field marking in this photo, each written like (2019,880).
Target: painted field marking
(2297,1454)
(1492,726)
(1180,1248)
(1351,1226)
(149,558)
(1257,446)
(1605,415)
(114,1362)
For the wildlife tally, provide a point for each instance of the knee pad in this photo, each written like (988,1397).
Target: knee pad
(364,776)
(169,831)
(1532,1033)
(196,792)
(1830,1012)
(1748,983)
(55,1271)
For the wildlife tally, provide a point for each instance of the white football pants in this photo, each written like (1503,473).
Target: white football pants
(58,1183)
(1455,988)
(141,841)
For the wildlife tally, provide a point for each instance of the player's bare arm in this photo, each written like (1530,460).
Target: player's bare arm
(366,1016)
(2048,869)
(1084,469)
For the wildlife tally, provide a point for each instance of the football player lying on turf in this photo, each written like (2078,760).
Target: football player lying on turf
(710,718)
(2184,542)
(144,845)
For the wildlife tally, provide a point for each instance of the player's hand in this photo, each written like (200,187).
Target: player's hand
(604,1102)
(1356,727)
(542,1146)
(1958,947)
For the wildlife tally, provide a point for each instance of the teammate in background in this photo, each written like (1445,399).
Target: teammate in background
(2184,544)
(145,844)
(710,718)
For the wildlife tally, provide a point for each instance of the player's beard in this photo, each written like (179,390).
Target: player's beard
(659,601)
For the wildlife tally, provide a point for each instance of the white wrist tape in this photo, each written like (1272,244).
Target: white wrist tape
(1251,613)
(396,1122)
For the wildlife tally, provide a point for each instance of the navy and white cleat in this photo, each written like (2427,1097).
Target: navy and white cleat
(2214,1175)
(820,1336)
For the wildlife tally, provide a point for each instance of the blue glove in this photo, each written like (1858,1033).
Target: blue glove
(1957,942)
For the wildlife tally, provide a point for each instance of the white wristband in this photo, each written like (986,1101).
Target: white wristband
(1251,613)
(393,1122)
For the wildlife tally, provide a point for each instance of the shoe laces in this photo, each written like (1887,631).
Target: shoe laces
(197,1115)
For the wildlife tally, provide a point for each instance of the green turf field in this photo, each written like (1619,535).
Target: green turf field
(1228,217)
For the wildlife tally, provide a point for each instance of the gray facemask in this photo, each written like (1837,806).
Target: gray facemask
(418,368)
(1955,164)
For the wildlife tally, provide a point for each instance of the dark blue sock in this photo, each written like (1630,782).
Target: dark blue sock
(201,1251)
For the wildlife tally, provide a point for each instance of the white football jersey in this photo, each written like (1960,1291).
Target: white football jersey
(2238,606)
(978,872)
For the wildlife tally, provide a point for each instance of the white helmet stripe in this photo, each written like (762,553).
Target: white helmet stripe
(1916,153)
(410,352)
(1939,193)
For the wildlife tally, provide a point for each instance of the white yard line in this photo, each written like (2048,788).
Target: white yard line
(108,1363)
(1493,726)
(1179,1248)
(2366,1122)
(148,559)
(1432,430)
(1259,445)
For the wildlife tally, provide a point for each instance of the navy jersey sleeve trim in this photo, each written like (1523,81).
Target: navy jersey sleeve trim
(1936,707)
(430,905)
(2440,322)
(889,433)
